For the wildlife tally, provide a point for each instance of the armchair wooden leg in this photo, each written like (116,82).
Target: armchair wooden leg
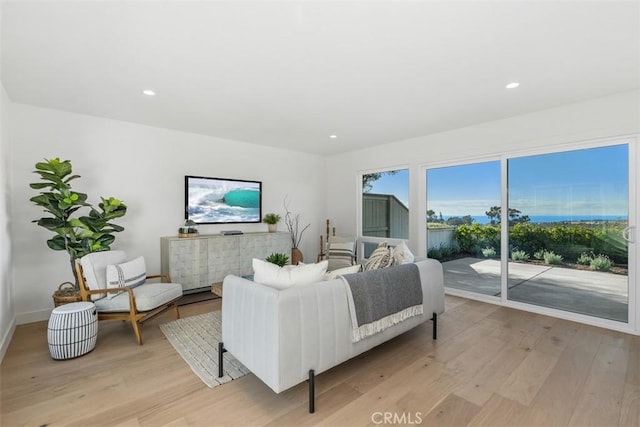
(175,307)
(136,329)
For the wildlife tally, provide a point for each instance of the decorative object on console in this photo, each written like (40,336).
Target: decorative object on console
(278,259)
(231,232)
(293,225)
(272,220)
(189,229)
(78,235)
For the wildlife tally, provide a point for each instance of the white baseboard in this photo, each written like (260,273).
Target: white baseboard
(33,316)
(6,339)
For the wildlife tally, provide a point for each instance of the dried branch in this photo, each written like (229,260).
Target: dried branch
(293,225)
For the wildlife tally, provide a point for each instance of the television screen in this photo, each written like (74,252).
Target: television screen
(222,201)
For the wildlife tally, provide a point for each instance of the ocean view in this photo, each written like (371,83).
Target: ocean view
(537,219)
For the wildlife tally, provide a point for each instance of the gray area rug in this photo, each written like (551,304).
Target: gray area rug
(196,339)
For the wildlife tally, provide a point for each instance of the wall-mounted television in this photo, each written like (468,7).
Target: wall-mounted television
(222,200)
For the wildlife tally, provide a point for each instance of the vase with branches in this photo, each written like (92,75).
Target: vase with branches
(292,222)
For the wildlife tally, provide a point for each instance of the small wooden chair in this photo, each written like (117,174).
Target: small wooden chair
(136,303)
(340,251)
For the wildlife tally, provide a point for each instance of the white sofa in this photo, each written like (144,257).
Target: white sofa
(287,336)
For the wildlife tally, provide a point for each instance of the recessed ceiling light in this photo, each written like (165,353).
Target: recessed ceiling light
(333,136)
(512,85)
(148,92)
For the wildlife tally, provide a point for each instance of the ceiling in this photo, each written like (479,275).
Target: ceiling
(291,73)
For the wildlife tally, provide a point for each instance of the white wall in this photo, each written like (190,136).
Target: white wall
(144,167)
(599,118)
(7,313)
(594,119)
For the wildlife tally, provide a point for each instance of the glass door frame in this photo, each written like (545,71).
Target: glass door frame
(423,230)
(633,324)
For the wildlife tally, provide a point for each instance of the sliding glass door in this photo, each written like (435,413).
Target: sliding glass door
(549,230)
(461,232)
(568,213)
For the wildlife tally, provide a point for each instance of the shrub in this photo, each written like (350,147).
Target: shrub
(443,252)
(472,238)
(601,263)
(488,252)
(539,254)
(552,258)
(518,255)
(434,253)
(585,258)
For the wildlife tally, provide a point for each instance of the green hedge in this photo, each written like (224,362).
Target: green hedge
(569,241)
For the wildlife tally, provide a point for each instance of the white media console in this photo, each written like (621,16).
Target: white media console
(198,262)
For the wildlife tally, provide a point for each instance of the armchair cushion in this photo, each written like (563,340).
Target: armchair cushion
(94,267)
(132,273)
(148,296)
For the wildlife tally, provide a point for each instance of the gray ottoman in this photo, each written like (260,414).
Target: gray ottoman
(73,329)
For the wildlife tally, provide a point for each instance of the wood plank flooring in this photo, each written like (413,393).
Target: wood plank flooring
(491,366)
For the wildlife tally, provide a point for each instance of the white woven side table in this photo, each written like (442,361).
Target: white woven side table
(73,330)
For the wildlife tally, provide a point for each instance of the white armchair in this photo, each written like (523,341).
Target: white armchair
(125,295)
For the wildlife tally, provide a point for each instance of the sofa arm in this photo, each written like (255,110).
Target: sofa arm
(250,326)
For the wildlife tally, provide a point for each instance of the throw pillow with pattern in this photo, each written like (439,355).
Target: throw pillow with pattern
(381,257)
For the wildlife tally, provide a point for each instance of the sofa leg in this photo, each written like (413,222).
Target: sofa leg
(221,351)
(435,326)
(312,391)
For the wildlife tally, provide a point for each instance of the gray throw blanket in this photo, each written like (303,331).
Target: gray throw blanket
(381,298)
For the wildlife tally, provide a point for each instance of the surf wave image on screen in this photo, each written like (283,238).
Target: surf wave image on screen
(217,201)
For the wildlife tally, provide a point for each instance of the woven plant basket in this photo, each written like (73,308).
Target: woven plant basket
(66,294)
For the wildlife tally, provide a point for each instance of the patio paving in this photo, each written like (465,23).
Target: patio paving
(593,293)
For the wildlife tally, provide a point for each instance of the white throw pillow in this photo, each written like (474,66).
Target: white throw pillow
(402,254)
(340,271)
(283,277)
(132,273)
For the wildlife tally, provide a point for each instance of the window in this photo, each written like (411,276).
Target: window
(385,207)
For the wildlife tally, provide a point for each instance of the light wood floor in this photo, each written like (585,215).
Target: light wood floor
(490,366)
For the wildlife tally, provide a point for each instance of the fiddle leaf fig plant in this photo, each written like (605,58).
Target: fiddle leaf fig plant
(79,234)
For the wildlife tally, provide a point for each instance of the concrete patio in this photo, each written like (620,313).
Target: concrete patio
(593,293)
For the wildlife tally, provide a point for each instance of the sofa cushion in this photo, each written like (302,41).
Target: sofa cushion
(277,277)
(402,254)
(381,257)
(132,273)
(330,275)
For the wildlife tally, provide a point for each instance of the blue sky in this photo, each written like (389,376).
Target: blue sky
(397,185)
(581,182)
